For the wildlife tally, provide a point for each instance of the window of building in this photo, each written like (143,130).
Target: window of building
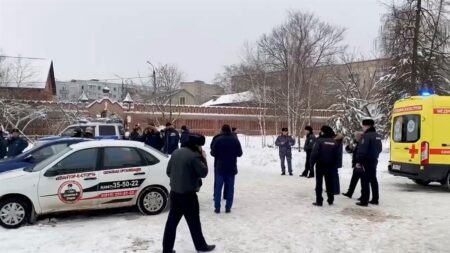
(115,89)
(182,101)
(98,87)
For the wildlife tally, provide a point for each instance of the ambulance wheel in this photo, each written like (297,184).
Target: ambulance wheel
(421,182)
(446,182)
(14,212)
(152,201)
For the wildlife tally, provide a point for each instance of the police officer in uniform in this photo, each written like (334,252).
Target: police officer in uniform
(325,157)
(285,142)
(367,161)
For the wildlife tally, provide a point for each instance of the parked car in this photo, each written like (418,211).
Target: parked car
(101,130)
(41,151)
(88,175)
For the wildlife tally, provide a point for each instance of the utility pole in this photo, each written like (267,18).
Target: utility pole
(416,44)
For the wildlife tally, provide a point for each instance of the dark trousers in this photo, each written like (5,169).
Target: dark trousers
(225,186)
(369,180)
(307,166)
(337,184)
(228,181)
(354,181)
(183,205)
(286,156)
(327,173)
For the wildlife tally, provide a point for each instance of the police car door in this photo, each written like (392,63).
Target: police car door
(70,184)
(122,173)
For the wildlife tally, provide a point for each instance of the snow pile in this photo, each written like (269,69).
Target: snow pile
(271,213)
(242,97)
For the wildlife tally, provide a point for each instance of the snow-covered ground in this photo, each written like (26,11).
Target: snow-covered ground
(272,213)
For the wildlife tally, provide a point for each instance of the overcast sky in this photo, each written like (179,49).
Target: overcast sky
(100,38)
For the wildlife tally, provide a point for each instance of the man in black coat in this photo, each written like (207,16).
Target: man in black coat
(3,145)
(226,149)
(325,156)
(308,147)
(357,174)
(171,139)
(16,144)
(367,160)
(184,135)
(153,138)
(186,167)
(284,143)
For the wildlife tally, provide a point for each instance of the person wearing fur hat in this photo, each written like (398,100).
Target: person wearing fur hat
(284,143)
(325,157)
(308,147)
(367,161)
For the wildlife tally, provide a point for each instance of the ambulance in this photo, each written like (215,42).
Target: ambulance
(420,139)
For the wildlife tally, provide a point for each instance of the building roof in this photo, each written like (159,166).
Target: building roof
(24,72)
(247,96)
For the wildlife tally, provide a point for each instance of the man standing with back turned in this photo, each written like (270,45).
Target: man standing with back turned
(367,161)
(186,167)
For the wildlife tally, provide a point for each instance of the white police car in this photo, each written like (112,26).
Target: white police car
(89,175)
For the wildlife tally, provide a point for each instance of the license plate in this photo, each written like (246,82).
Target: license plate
(396,167)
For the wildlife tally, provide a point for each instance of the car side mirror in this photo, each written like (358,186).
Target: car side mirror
(52,172)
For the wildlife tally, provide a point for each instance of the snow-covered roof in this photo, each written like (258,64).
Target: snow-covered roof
(24,72)
(242,97)
(128,98)
(83,97)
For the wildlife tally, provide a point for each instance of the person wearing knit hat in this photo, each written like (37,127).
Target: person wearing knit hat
(325,157)
(308,147)
(284,143)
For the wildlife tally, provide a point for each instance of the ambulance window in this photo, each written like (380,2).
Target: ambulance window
(406,128)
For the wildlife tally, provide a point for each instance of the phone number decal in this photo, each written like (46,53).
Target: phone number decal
(120,184)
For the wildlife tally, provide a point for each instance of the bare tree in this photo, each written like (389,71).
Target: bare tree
(296,49)
(356,81)
(416,37)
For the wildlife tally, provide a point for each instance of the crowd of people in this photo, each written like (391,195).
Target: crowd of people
(324,153)
(12,145)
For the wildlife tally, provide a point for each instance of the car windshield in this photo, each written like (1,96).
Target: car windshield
(46,162)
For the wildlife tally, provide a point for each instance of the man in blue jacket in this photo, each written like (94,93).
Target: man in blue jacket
(284,143)
(226,149)
(171,139)
(16,145)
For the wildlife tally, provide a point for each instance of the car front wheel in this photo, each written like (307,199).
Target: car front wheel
(13,212)
(152,201)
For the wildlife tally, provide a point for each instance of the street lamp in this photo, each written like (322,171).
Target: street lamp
(154,77)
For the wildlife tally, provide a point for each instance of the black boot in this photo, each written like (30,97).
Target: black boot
(361,204)
(317,204)
(348,195)
(311,175)
(207,248)
(290,174)
(283,173)
(372,202)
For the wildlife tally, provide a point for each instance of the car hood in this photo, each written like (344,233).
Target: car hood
(7,175)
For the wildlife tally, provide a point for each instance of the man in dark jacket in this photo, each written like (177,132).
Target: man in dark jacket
(284,143)
(357,174)
(308,147)
(16,144)
(3,145)
(77,133)
(171,139)
(186,168)
(184,136)
(226,149)
(135,135)
(153,138)
(367,160)
(325,157)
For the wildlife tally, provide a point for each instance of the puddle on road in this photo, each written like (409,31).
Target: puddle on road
(368,214)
